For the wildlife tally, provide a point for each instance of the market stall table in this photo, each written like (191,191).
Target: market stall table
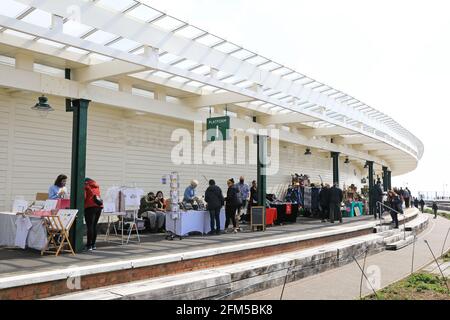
(350,209)
(286,212)
(37,235)
(192,221)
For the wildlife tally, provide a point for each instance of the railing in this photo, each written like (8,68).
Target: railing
(381,205)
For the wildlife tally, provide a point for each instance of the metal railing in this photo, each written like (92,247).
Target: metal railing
(381,205)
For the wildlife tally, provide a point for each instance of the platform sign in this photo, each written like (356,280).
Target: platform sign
(258,217)
(218,128)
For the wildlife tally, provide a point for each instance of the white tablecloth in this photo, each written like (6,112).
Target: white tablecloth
(192,221)
(37,236)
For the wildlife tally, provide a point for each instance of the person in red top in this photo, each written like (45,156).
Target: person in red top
(93,205)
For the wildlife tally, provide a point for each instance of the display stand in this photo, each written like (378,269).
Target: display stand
(59,227)
(258,218)
(175,208)
(108,230)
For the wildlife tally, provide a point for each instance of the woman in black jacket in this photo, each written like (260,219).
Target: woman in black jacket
(214,199)
(396,206)
(232,204)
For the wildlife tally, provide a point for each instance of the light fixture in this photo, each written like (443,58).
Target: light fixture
(42,107)
(308,152)
(347,161)
(366,166)
(363,181)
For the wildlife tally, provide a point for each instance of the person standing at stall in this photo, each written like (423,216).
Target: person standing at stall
(244,193)
(232,204)
(324,200)
(93,205)
(395,204)
(58,189)
(214,199)
(377,198)
(336,197)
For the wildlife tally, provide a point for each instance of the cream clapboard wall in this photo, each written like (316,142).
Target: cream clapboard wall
(122,150)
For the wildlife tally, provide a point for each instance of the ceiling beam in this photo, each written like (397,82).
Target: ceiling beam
(105,70)
(285,119)
(216,99)
(353,140)
(326,131)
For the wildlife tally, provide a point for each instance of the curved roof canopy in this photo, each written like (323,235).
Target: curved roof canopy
(107,42)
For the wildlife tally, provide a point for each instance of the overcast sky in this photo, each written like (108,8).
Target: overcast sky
(392,55)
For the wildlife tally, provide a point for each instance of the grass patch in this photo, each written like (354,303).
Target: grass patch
(446,257)
(419,286)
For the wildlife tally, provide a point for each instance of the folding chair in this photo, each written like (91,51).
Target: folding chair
(58,227)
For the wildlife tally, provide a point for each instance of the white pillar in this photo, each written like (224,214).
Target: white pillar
(57,23)
(125,85)
(160,94)
(24,61)
(152,53)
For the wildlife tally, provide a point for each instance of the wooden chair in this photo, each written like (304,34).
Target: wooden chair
(58,226)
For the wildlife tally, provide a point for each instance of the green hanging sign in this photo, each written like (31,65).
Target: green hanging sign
(218,128)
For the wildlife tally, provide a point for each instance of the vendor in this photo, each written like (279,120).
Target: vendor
(58,189)
(149,211)
(160,202)
(189,193)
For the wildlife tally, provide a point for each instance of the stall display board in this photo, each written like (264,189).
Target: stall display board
(258,217)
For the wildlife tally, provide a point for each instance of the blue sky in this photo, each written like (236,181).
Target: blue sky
(393,55)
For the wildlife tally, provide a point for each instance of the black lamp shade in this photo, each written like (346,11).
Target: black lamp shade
(308,152)
(42,105)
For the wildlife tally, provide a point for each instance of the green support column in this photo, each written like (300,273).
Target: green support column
(385,179)
(389,180)
(335,157)
(262,163)
(372,205)
(78,172)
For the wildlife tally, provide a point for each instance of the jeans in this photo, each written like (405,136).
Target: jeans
(157,219)
(335,212)
(230,213)
(91,216)
(394,216)
(214,216)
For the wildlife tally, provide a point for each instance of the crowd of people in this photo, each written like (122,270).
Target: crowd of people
(239,199)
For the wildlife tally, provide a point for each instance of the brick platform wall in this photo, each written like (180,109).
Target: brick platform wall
(59,287)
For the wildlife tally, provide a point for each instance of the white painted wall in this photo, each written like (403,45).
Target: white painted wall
(122,150)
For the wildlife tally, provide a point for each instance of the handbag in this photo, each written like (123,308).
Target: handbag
(98,201)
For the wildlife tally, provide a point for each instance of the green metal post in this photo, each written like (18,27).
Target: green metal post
(372,205)
(385,179)
(335,157)
(262,163)
(78,172)
(389,180)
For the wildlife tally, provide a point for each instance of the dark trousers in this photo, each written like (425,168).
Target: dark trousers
(435,213)
(407,202)
(421,208)
(214,216)
(335,212)
(325,213)
(91,215)
(230,213)
(394,216)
